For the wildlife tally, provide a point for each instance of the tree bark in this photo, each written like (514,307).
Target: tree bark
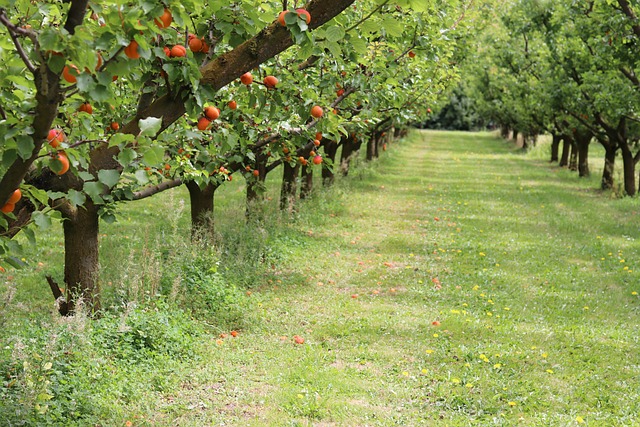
(350,146)
(583,139)
(573,156)
(555,146)
(289,187)
(81,262)
(566,150)
(504,131)
(609,167)
(202,204)
(330,151)
(306,186)
(629,168)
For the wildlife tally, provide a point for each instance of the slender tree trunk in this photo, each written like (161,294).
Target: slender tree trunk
(609,166)
(566,150)
(330,150)
(371,147)
(81,262)
(629,168)
(505,131)
(555,146)
(573,156)
(306,185)
(202,202)
(583,139)
(514,137)
(525,142)
(289,186)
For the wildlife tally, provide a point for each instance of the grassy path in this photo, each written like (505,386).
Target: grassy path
(531,277)
(454,282)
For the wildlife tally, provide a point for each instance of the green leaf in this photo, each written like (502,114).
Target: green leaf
(109,177)
(334,34)
(76,198)
(41,220)
(25,146)
(94,190)
(142,177)
(153,156)
(150,126)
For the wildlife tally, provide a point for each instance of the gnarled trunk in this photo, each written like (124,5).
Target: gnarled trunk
(306,186)
(583,139)
(81,261)
(289,187)
(629,168)
(566,150)
(202,203)
(350,146)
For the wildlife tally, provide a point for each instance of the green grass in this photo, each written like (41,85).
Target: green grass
(531,272)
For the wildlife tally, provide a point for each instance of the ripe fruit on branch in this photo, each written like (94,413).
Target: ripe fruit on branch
(212,113)
(86,107)
(132,50)
(319,135)
(316,142)
(178,51)
(55,137)
(195,44)
(15,196)
(317,111)
(411,54)
(256,173)
(115,126)
(246,79)
(340,92)
(8,208)
(281,18)
(68,75)
(167,51)
(164,20)
(62,158)
(203,123)
(428,110)
(233,104)
(270,82)
(317,160)
(304,15)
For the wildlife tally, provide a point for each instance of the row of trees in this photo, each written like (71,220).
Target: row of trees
(110,102)
(568,69)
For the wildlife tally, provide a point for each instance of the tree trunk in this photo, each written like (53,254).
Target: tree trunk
(371,147)
(289,186)
(566,149)
(202,202)
(330,150)
(350,147)
(255,185)
(555,146)
(525,142)
(609,167)
(514,137)
(629,167)
(583,139)
(81,262)
(306,186)
(504,131)
(573,156)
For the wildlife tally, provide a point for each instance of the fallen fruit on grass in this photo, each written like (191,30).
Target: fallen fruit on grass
(298,339)
(234,333)
(435,323)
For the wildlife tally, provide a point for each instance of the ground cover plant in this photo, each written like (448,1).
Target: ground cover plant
(477,286)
